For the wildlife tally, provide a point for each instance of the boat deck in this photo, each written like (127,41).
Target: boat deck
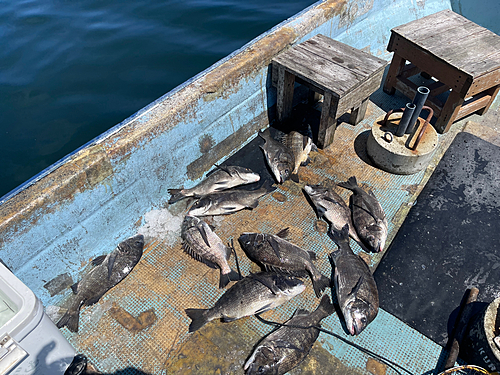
(140,327)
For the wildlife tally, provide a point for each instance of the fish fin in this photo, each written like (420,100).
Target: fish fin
(326,305)
(198,318)
(203,234)
(356,287)
(287,345)
(188,250)
(320,285)
(301,311)
(283,233)
(227,277)
(294,177)
(97,261)
(264,308)
(74,288)
(264,282)
(93,300)
(265,134)
(223,169)
(176,195)
(254,204)
(70,320)
(320,210)
(331,200)
(111,263)
(350,184)
(267,187)
(228,319)
(232,208)
(271,241)
(312,255)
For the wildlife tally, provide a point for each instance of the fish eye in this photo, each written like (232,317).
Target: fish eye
(363,320)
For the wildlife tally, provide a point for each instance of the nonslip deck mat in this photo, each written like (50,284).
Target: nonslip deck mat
(166,281)
(448,243)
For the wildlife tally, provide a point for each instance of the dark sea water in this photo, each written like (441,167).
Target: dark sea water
(70,70)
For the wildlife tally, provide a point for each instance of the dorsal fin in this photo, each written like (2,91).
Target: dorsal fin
(283,233)
(223,169)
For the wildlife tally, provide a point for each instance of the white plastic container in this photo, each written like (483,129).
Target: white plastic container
(30,343)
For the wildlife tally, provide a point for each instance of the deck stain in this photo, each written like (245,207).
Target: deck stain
(134,325)
(279,196)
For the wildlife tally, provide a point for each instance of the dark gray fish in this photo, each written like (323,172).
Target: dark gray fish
(284,348)
(109,271)
(279,157)
(356,289)
(253,294)
(227,202)
(332,207)
(300,144)
(221,178)
(200,241)
(277,254)
(367,215)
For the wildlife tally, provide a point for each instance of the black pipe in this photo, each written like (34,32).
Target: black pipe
(419,101)
(405,119)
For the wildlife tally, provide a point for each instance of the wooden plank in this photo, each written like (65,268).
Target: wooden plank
(397,65)
(438,68)
(359,62)
(327,123)
(437,88)
(430,25)
(484,82)
(493,93)
(355,97)
(449,112)
(473,104)
(318,71)
(409,70)
(284,98)
(358,114)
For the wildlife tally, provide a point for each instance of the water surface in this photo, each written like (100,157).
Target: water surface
(70,70)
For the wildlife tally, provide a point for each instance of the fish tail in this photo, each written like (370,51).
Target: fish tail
(325,307)
(340,237)
(265,134)
(198,317)
(176,195)
(320,284)
(267,187)
(350,184)
(225,278)
(70,320)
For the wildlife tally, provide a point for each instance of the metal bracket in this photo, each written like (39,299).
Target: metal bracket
(11,354)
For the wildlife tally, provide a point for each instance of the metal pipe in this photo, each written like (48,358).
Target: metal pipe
(405,119)
(417,141)
(419,101)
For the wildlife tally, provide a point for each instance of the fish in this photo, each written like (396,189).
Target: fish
(284,348)
(254,294)
(222,178)
(300,144)
(200,241)
(227,202)
(332,207)
(277,254)
(279,157)
(368,216)
(109,270)
(355,286)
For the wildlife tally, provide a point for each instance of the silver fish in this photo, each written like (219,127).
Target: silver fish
(284,348)
(221,178)
(300,144)
(200,241)
(109,271)
(277,254)
(356,289)
(279,158)
(367,215)
(227,202)
(253,294)
(332,207)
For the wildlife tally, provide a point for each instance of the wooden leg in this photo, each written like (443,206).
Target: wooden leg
(358,114)
(286,81)
(397,65)
(493,92)
(327,123)
(313,97)
(449,112)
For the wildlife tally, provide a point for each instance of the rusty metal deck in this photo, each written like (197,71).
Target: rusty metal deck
(166,281)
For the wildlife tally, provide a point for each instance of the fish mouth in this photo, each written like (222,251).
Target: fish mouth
(352,330)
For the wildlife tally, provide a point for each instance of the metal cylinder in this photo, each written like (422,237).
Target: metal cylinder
(405,119)
(419,101)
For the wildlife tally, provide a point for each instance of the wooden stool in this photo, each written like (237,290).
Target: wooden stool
(345,76)
(462,56)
